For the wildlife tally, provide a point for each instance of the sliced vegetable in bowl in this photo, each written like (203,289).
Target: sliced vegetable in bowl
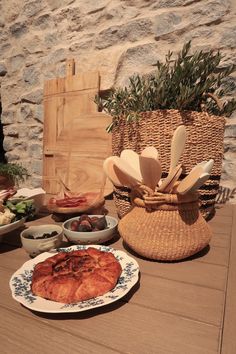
(21,209)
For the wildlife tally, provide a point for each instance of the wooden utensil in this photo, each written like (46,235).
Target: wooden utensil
(203,178)
(188,182)
(125,172)
(150,151)
(170,186)
(206,165)
(150,170)
(108,167)
(177,145)
(132,158)
(171,176)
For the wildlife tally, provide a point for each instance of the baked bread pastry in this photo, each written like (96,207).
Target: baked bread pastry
(70,277)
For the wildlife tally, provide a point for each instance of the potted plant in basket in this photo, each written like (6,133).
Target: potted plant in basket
(185,90)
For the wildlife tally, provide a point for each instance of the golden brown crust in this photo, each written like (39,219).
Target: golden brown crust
(75,276)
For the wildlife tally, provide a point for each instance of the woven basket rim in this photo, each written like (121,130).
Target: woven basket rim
(172,110)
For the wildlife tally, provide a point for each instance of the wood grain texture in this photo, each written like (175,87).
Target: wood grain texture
(75,140)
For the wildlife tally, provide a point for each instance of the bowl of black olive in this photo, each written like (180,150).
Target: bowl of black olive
(90,229)
(41,238)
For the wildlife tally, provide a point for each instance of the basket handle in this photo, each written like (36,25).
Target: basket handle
(214,98)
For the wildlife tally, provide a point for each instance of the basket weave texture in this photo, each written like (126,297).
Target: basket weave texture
(205,134)
(167,231)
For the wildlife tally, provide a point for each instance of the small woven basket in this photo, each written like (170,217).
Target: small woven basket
(205,136)
(166,227)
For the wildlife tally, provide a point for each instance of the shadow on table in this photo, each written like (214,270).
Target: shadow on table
(200,254)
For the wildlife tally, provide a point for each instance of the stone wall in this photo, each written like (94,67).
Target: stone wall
(117,37)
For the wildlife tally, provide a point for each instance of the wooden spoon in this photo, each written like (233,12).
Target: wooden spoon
(150,170)
(171,176)
(189,181)
(108,167)
(150,151)
(130,173)
(116,176)
(206,165)
(177,145)
(132,158)
(203,178)
(170,186)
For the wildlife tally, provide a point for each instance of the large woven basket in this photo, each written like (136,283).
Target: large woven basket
(204,141)
(165,227)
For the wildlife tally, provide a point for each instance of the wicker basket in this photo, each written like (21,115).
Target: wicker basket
(165,227)
(205,134)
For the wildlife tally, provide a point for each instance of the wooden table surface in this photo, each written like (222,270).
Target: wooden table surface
(186,307)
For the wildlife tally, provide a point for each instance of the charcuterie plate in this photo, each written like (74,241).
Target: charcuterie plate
(83,208)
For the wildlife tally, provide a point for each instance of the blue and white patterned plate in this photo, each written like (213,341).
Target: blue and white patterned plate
(21,280)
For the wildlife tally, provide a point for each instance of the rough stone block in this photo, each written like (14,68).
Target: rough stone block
(132,31)
(35,133)
(35,150)
(37,167)
(38,114)
(8,117)
(35,96)
(166,23)
(3,69)
(18,29)
(31,75)
(16,62)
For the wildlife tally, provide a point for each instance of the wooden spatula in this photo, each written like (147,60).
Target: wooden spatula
(130,173)
(150,151)
(132,158)
(150,170)
(169,179)
(189,181)
(116,176)
(177,146)
(202,179)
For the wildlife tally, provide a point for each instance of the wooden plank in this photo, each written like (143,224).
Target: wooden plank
(191,301)
(22,335)
(228,338)
(143,316)
(161,332)
(185,300)
(215,255)
(221,224)
(225,209)
(221,240)
(74,130)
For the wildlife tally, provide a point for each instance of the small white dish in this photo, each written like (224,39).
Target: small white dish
(20,284)
(90,237)
(38,245)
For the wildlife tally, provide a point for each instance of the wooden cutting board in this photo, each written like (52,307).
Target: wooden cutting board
(75,141)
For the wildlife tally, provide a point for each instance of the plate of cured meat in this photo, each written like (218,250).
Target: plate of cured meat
(70,203)
(94,283)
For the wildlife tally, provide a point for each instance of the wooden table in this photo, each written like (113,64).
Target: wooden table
(186,307)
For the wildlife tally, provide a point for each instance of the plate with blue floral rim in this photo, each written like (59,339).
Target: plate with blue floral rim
(20,283)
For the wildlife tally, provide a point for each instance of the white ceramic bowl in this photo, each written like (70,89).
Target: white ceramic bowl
(90,237)
(36,246)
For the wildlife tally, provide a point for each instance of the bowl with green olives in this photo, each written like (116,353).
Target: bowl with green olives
(90,229)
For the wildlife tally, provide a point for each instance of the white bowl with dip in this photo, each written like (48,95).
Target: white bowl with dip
(37,245)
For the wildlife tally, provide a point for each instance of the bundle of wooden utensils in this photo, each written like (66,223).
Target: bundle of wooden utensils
(133,170)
